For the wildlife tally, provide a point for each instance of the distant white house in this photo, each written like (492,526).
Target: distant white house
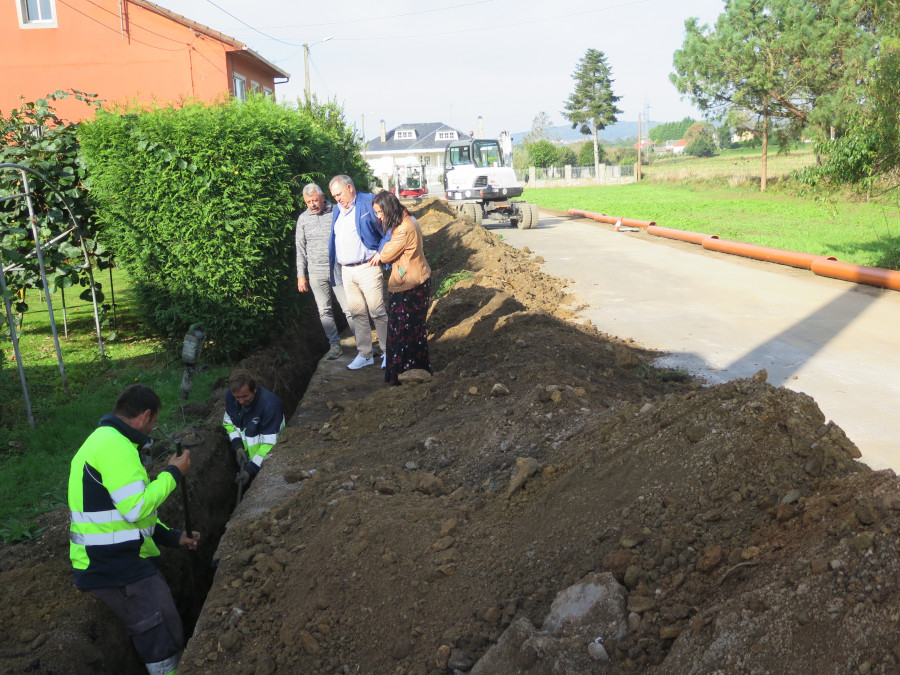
(410,147)
(745,135)
(676,147)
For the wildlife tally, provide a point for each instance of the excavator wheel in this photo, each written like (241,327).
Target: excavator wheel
(525,215)
(472,212)
(535,216)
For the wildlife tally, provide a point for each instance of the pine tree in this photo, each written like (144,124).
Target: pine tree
(592,106)
(797,60)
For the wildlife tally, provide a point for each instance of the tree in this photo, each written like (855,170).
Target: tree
(699,130)
(539,126)
(798,60)
(542,153)
(702,146)
(565,156)
(670,131)
(592,106)
(870,148)
(33,136)
(586,154)
(723,136)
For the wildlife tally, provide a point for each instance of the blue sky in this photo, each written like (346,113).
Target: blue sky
(453,60)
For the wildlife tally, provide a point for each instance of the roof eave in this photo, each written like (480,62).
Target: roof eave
(206,30)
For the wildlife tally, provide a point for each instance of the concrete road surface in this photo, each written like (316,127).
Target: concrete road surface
(722,317)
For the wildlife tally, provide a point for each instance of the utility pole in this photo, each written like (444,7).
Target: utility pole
(306,70)
(363,115)
(640,147)
(306,47)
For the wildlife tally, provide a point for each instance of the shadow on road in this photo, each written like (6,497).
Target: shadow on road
(793,347)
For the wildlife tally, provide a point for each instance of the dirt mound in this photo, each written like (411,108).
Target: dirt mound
(728,529)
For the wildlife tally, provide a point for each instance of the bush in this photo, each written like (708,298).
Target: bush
(199,205)
(748,144)
(566,156)
(586,154)
(702,146)
(621,155)
(542,153)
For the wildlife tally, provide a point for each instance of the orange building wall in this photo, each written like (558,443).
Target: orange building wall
(156,58)
(250,68)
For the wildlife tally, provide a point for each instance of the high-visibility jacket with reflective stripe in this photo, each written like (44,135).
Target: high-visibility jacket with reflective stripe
(257,426)
(113,507)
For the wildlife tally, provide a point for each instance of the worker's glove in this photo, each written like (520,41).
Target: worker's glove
(242,479)
(240,455)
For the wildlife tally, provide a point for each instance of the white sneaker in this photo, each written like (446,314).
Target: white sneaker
(383,361)
(360,362)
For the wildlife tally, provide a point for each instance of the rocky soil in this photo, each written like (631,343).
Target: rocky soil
(548,502)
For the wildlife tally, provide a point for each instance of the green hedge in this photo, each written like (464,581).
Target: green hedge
(199,205)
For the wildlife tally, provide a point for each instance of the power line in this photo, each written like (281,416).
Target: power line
(222,9)
(494,27)
(320,77)
(118,30)
(133,23)
(389,16)
(468,29)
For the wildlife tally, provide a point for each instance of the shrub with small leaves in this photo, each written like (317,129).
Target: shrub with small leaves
(199,205)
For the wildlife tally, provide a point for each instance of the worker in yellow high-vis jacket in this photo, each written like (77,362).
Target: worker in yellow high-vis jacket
(114,531)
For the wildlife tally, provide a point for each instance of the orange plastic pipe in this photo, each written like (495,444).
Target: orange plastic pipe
(825,266)
(776,255)
(612,220)
(681,235)
(874,276)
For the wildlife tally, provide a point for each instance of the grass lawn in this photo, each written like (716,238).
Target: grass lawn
(737,166)
(854,232)
(34,463)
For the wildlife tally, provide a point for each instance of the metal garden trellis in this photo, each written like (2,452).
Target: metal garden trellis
(74,230)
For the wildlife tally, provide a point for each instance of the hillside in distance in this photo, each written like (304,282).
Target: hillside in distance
(565,133)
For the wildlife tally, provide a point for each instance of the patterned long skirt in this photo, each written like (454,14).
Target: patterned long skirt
(407,339)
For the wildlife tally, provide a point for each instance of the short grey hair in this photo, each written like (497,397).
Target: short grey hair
(343,180)
(310,189)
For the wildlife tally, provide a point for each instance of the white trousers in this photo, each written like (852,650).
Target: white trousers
(364,288)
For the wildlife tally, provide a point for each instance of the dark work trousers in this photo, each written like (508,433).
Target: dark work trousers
(148,612)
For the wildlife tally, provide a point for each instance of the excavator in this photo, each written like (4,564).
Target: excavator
(480,183)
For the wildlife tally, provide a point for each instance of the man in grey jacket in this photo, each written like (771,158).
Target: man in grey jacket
(313,273)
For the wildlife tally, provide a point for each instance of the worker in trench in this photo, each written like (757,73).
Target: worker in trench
(114,533)
(254,417)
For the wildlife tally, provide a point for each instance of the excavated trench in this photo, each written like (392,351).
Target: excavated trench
(285,367)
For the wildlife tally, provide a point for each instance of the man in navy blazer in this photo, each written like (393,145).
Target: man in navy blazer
(355,237)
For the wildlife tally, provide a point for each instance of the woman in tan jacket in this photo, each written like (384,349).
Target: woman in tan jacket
(409,286)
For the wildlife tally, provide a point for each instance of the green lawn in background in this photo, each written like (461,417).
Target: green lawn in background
(34,463)
(737,166)
(854,232)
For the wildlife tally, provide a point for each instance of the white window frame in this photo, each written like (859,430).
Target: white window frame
(267,92)
(254,86)
(447,136)
(405,135)
(24,22)
(239,82)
